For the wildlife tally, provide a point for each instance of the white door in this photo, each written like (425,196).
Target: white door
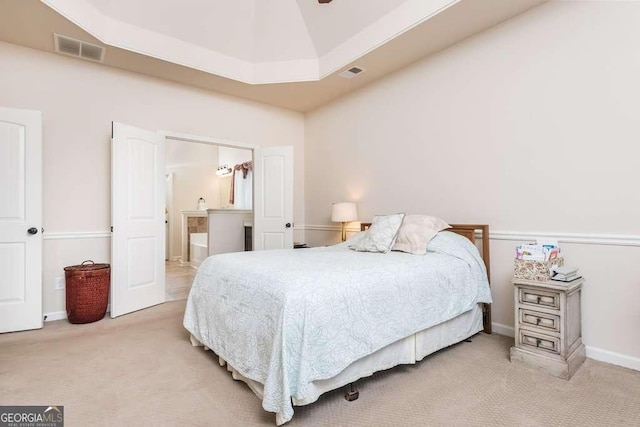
(20,220)
(273,198)
(137,218)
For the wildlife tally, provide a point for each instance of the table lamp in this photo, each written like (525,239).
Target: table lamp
(344,212)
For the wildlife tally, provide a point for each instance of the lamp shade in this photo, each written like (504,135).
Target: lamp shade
(344,212)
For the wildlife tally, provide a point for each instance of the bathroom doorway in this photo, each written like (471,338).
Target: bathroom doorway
(199,178)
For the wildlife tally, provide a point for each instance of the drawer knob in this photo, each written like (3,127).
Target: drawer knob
(538,342)
(538,320)
(539,299)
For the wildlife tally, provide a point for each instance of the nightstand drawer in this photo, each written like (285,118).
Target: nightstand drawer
(546,321)
(533,340)
(548,299)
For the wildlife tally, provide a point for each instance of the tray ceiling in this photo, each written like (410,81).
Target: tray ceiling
(283,52)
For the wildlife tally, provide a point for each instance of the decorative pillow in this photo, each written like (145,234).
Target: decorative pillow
(416,232)
(355,239)
(381,235)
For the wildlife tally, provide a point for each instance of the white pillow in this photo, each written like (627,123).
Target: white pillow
(381,236)
(416,232)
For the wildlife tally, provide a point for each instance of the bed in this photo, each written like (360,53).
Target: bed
(294,324)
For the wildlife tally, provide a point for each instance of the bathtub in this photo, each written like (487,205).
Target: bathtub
(198,249)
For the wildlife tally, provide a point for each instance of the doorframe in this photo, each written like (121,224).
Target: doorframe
(168,191)
(186,137)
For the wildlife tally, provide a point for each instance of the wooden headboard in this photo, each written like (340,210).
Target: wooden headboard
(469,231)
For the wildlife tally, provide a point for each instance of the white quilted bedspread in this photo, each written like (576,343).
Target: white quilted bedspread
(286,318)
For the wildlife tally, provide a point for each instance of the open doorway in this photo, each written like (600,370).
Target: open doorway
(138,208)
(203,180)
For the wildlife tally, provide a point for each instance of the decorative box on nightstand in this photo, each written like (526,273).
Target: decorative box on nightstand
(548,328)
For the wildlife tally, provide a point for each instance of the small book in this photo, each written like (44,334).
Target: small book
(565,270)
(566,279)
(564,273)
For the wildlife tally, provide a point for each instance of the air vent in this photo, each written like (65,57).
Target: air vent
(351,72)
(78,48)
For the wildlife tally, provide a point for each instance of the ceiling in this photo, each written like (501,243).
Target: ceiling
(286,53)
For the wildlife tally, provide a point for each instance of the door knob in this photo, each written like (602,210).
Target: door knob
(288,225)
(32,230)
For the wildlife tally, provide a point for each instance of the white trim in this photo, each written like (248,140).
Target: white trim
(55,315)
(176,258)
(61,315)
(64,235)
(392,25)
(579,238)
(500,329)
(331,228)
(117,33)
(179,136)
(592,352)
(613,358)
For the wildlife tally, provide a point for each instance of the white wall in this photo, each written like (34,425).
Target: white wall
(531,126)
(78,101)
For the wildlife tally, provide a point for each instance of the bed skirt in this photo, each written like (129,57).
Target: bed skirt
(408,350)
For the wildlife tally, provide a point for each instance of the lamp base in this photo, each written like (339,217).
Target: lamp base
(344,231)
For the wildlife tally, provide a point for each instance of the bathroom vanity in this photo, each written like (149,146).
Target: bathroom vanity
(227,230)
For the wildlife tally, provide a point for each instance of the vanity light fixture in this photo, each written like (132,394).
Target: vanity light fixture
(224,170)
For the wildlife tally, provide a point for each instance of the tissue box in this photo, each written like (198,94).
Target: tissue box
(535,270)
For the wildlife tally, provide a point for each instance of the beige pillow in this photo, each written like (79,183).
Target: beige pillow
(381,235)
(416,232)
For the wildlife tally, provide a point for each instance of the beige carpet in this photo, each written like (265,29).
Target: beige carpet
(140,370)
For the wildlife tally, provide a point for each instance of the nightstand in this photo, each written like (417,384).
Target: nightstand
(548,330)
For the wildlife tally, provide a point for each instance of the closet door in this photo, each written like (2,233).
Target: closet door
(20,220)
(137,215)
(273,198)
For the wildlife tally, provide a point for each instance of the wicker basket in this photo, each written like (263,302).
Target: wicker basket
(87,291)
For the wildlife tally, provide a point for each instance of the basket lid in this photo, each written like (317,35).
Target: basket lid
(87,265)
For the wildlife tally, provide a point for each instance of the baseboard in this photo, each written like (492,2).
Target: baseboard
(501,329)
(592,352)
(55,315)
(62,315)
(613,358)
(176,258)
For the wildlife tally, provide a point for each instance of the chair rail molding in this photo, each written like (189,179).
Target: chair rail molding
(331,228)
(67,235)
(562,237)
(579,238)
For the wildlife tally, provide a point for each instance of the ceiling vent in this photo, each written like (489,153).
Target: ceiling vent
(351,72)
(78,48)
